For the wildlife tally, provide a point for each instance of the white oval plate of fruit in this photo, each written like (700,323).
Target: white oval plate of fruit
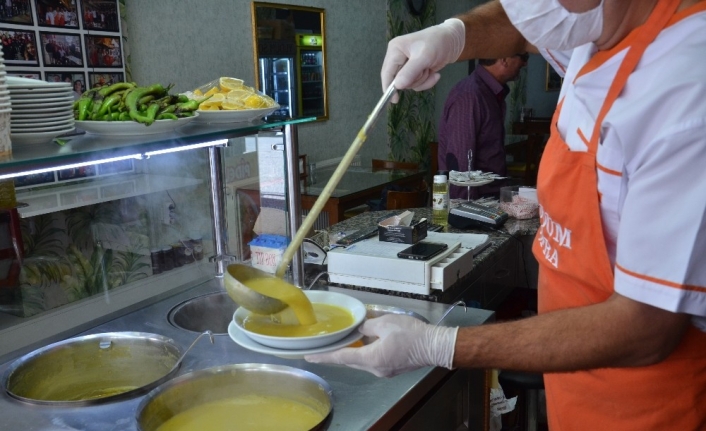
(227,100)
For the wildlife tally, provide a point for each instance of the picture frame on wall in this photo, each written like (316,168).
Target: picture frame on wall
(100,79)
(75,173)
(25,74)
(34,179)
(104,51)
(16,12)
(56,13)
(101,15)
(61,49)
(19,47)
(76,79)
(554,80)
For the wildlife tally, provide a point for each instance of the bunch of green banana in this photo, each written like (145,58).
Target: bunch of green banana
(125,101)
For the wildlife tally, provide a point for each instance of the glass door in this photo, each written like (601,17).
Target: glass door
(277,81)
(311,81)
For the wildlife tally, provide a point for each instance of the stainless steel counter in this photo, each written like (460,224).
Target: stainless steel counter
(361,400)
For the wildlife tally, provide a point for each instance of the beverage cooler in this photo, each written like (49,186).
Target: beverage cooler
(276,61)
(277,81)
(310,79)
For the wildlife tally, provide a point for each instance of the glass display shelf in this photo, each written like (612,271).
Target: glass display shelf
(80,194)
(91,148)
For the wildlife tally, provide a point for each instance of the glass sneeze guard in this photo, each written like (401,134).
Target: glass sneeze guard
(90,148)
(116,216)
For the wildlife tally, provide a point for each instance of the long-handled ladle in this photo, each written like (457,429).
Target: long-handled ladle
(237,275)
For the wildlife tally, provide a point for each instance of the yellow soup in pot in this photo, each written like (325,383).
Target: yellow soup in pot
(329,319)
(246,412)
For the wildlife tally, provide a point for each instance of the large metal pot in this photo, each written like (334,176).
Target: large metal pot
(92,369)
(226,382)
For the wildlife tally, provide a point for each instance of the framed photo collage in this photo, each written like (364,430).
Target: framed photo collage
(76,41)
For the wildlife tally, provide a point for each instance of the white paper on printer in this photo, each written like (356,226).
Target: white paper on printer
(473,241)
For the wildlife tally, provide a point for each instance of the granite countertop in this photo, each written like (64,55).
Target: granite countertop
(500,239)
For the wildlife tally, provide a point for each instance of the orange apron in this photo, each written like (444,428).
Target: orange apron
(575,271)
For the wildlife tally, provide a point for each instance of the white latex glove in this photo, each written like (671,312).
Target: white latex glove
(404,344)
(413,60)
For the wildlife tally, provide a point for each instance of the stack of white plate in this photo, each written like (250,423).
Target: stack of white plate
(5,108)
(41,111)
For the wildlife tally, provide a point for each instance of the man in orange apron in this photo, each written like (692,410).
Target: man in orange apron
(621,334)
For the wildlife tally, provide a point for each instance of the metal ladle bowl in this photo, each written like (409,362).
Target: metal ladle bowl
(236,279)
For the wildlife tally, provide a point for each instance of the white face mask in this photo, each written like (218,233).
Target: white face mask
(547,24)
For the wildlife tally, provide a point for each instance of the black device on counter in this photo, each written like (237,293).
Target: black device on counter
(423,250)
(358,235)
(471,215)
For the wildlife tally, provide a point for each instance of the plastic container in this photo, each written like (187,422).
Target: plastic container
(440,200)
(267,250)
(519,202)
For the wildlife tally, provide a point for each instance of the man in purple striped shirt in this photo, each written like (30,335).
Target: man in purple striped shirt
(474,119)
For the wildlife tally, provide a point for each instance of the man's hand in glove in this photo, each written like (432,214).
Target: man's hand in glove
(413,60)
(404,344)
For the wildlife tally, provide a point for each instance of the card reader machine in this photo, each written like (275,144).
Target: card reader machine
(469,215)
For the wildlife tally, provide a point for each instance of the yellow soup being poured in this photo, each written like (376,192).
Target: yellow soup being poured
(329,319)
(246,412)
(287,293)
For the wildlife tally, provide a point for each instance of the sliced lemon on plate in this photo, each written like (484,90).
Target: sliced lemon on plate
(256,102)
(211,92)
(214,100)
(238,95)
(228,84)
(230,106)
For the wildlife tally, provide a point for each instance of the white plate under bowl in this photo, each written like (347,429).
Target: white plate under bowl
(36,138)
(242,116)
(354,306)
(130,128)
(240,338)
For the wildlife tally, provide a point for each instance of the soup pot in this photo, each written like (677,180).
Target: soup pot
(93,369)
(192,390)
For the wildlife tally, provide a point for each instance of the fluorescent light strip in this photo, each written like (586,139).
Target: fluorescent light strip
(115,159)
(69,166)
(187,147)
